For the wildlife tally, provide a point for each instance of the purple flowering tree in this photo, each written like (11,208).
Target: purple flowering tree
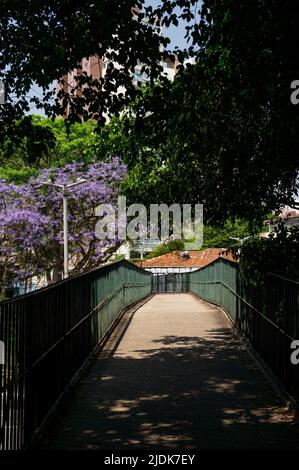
(31,229)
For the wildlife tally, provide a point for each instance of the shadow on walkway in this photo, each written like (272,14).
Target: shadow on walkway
(200,391)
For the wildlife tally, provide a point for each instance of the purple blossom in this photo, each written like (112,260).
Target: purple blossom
(31,230)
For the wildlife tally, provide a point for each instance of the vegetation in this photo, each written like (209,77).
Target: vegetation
(42,41)
(224,133)
(49,144)
(276,254)
(52,144)
(215,134)
(31,229)
(172,245)
(224,237)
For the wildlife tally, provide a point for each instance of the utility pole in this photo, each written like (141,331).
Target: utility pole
(64,188)
(2,92)
(241,240)
(65,234)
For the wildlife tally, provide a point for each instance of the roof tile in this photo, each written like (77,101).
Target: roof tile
(197,259)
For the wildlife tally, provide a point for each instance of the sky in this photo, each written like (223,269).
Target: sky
(175,34)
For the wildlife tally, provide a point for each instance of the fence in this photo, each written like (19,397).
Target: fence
(268,315)
(20,288)
(171,282)
(49,334)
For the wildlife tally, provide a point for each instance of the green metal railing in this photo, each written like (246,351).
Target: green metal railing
(49,334)
(267,315)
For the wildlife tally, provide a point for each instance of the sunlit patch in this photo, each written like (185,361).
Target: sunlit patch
(236,415)
(223,385)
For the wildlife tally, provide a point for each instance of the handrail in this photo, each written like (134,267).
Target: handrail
(50,333)
(68,333)
(91,273)
(283,278)
(248,304)
(253,309)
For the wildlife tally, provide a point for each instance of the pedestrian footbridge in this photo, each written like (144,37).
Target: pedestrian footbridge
(99,361)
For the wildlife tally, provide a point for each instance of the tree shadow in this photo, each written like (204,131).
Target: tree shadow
(183,392)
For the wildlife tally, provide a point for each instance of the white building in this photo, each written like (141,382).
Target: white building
(288,216)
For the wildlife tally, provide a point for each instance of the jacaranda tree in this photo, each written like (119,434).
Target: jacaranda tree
(31,229)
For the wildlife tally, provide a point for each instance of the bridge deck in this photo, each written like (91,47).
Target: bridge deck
(179,378)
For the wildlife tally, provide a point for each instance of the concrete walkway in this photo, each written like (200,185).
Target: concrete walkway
(179,378)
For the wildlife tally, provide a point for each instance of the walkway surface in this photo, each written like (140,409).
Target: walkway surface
(179,378)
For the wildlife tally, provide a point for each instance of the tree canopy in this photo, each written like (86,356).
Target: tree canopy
(229,236)
(276,254)
(43,40)
(31,229)
(224,133)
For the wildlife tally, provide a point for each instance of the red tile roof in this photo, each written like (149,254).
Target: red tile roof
(197,259)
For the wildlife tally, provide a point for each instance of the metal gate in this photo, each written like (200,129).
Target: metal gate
(171,282)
